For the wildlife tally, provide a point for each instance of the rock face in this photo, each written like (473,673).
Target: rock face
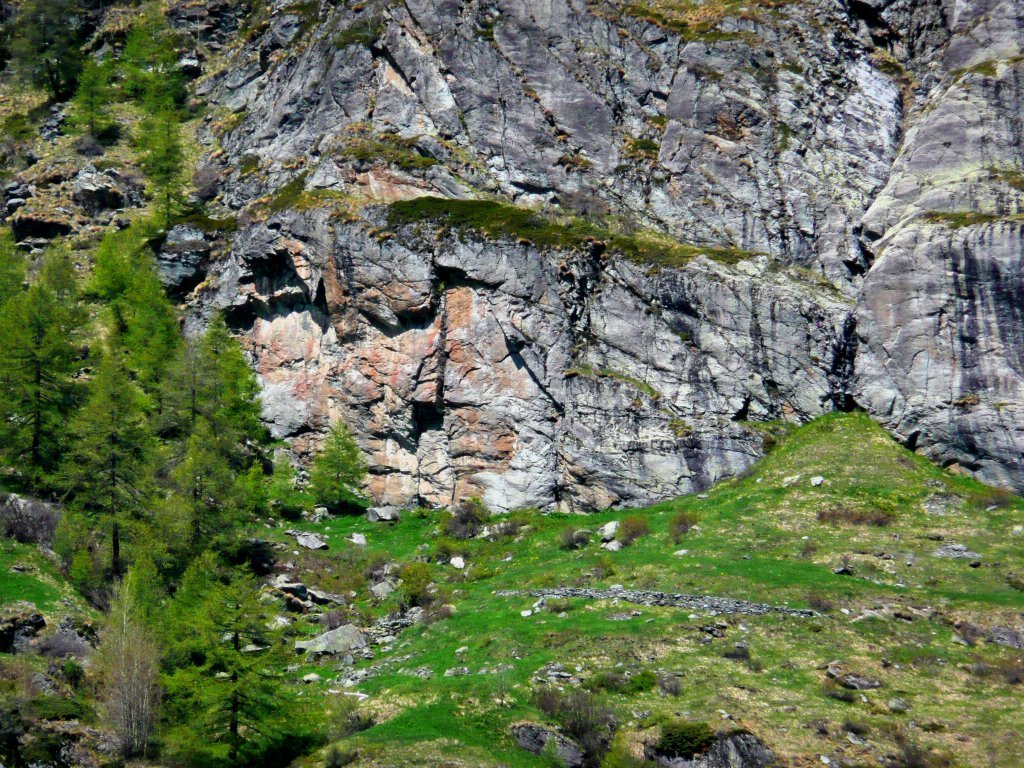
(849,199)
(735,750)
(535,738)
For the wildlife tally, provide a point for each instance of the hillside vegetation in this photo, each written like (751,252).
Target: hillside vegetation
(914,621)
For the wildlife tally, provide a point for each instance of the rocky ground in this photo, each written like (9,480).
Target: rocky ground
(785,611)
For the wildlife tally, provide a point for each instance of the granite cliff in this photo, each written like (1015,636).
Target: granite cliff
(741,212)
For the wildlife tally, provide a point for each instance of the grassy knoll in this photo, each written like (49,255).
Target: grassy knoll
(772,536)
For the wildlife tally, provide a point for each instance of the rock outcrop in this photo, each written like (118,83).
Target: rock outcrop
(847,200)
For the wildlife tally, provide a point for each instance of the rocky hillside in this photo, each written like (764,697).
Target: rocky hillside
(564,254)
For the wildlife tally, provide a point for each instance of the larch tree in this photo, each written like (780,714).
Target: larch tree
(338,471)
(107,470)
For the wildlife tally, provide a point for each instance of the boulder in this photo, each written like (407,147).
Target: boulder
(285,584)
(343,640)
(95,192)
(608,530)
(181,260)
(534,738)
(386,514)
(19,623)
(955,550)
(308,540)
(738,749)
(856,682)
(382,589)
(321,597)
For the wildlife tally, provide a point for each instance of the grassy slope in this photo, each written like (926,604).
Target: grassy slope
(759,539)
(37,580)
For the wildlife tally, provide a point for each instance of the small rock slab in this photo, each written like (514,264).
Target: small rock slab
(608,530)
(535,738)
(956,550)
(344,639)
(383,514)
(308,540)
(851,680)
(382,589)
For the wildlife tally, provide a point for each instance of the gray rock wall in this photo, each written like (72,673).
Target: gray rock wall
(819,137)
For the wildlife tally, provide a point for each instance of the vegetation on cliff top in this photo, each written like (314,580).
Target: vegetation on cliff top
(501,220)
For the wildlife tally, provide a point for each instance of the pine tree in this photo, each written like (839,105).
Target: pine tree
(46,44)
(236,400)
(150,65)
(338,471)
(212,380)
(207,486)
(228,690)
(90,108)
(12,268)
(107,470)
(144,325)
(163,160)
(38,330)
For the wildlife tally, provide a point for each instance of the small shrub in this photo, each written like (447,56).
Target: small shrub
(604,567)
(582,717)
(856,727)
(808,549)
(1000,498)
(840,515)
(684,738)
(1010,669)
(416,579)
(72,672)
(616,682)
(573,538)
(833,691)
(58,708)
(558,605)
(632,528)
(445,549)
(1014,581)
(338,758)
(63,645)
(28,521)
(670,685)
(376,568)
(466,520)
(820,603)
(681,524)
(503,530)
(738,652)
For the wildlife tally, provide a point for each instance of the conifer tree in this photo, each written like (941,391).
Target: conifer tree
(163,159)
(38,331)
(231,696)
(144,325)
(212,380)
(207,486)
(338,471)
(107,470)
(12,268)
(46,44)
(90,108)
